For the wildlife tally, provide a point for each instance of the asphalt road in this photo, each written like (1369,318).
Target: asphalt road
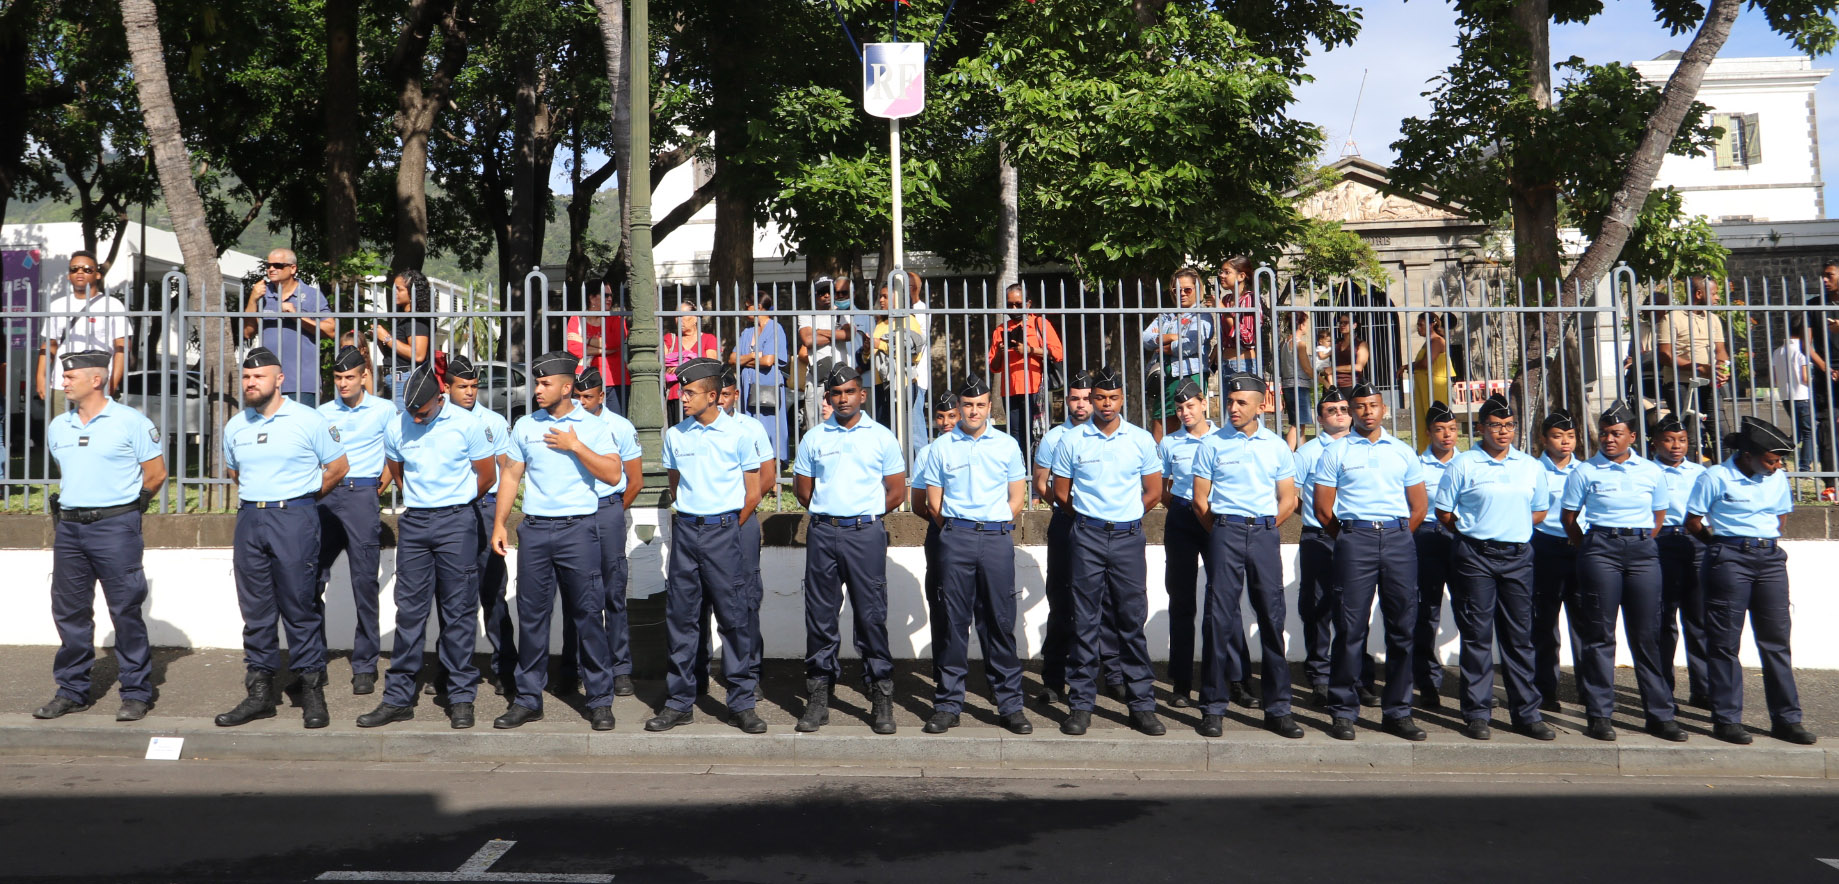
(220,821)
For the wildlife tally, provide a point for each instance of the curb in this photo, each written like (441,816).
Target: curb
(714,744)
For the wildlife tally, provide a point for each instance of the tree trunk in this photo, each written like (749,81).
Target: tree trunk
(1675,100)
(1535,202)
(731,257)
(530,127)
(418,105)
(613,39)
(341,121)
(1008,219)
(172,162)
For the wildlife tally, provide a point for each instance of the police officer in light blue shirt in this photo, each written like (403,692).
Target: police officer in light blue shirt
(714,478)
(975,485)
(1618,569)
(615,497)
(1682,605)
(1318,588)
(1057,642)
(283,457)
(767,454)
(348,517)
(944,418)
(1244,488)
(558,451)
(1107,473)
(1369,492)
(848,473)
(1489,499)
(110,460)
(438,453)
(494,578)
(1555,560)
(1434,547)
(1738,507)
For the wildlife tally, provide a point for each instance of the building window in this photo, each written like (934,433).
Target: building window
(1741,145)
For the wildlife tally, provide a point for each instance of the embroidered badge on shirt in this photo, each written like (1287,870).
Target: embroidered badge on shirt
(154,433)
(82,441)
(334,432)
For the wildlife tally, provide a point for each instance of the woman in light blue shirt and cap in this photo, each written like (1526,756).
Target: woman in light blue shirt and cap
(1618,569)
(1738,507)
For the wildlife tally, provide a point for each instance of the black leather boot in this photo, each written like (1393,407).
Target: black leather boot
(313,699)
(260,702)
(881,697)
(817,706)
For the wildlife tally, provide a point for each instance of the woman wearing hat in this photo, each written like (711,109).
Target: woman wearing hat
(1738,508)
(1618,569)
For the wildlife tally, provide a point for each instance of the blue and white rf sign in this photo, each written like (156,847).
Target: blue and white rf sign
(893,79)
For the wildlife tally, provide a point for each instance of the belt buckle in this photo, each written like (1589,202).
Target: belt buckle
(1379,525)
(263,504)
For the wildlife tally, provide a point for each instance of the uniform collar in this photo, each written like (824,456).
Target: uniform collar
(338,402)
(957,432)
(723,420)
(1211,429)
(862,423)
(108,405)
(1602,461)
(1091,429)
(1429,458)
(287,406)
(1682,466)
(1546,459)
(1513,454)
(1385,438)
(1231,432)
(1737,474)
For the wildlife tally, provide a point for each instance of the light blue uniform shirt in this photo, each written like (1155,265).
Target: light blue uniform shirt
(361,431)
(846,466)
(1494,499)
(497,432)
(1047,451)
(712,463)
(625,441)
(1554,504)
(1244,470)
(100,461)
(1308,456)
(279,457)
(922,467)
(437,457)
(557,483)
(756,430)
(974,473)
(1617,495)
(1735,505)
(1176,451)
(1680,479)
(1369,477)
(1434,471)
(1108,471)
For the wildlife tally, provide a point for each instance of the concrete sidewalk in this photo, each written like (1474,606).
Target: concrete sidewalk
(195,685)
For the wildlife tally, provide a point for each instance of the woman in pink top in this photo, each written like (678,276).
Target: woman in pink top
(1239,330)
(689,342)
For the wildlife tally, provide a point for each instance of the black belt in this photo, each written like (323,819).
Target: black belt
(1670,530)
(611,499)
(1496,546)
(359,483)
(1375,524)
(718,519)
(1266,521)
(845,521)
(556,519)
(278,504)
(1747,542)
(445,509)
(1620,532)
(990,527)
(84,515)
(1120,527)
(1311,530)
(1187,502)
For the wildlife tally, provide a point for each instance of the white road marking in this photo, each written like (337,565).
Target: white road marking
(1831,862)
(474,869)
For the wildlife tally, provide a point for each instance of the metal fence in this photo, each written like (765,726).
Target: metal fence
(1644,342)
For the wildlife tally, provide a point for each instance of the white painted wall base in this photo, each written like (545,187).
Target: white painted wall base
(193,602)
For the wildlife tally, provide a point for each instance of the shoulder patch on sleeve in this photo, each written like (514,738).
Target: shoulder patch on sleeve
(154,433)
(334,431)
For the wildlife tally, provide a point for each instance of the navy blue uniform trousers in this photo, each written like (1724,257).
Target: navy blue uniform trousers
(349,522)
(1491,594)
(856,556)
(613,571)
(494,579)
(1057,643)
(1187,559)
(1435,545)
(1108,569)
(750,563)
(1318,604)
(706,563)
(1744,576)
(1682,606)
(276,564)
(106,551)
(1554,589)
(937,619)
(1618,572)
(978,590)
(1245,556)
(559,553)
(1382,558)
(437,564)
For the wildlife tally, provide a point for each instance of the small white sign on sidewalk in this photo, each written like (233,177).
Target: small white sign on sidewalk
(164,748)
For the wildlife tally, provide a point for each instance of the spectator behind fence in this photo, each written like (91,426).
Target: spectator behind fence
(87,319)
(1239,331)
(829,337)
(598,339)
(1430,370)
(1176,346)
(1793,383)
(1692,350)
(887,348)
(1019,352)
(1822,339)
(690,342)
(1351,354)
(760,355)
(408,341)
(1298,363)
(293,338)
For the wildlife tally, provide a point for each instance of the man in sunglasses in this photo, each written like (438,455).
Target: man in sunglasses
(84,320)
(293,334)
